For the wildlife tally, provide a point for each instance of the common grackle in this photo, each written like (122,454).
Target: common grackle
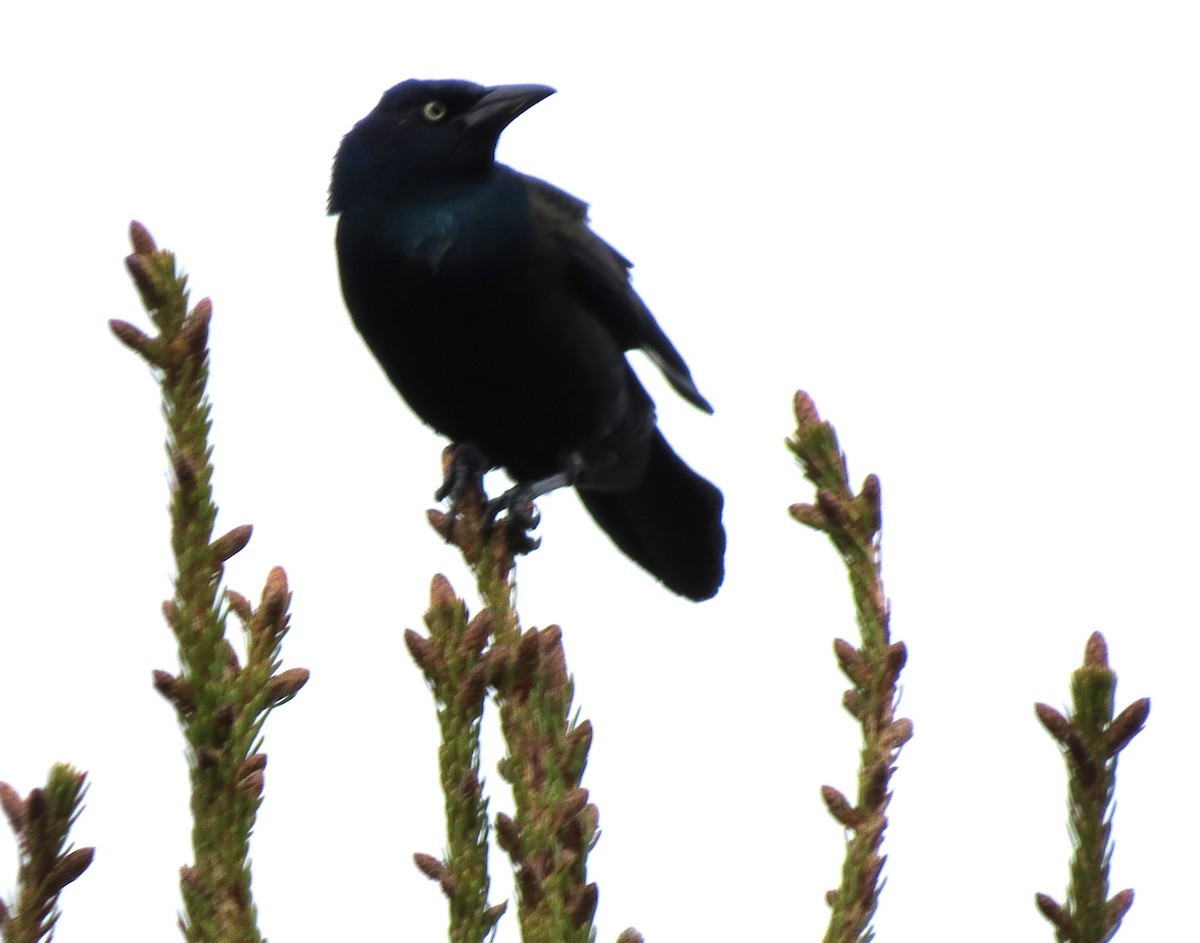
(503,320)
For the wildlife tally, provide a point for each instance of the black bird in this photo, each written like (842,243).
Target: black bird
(503,320)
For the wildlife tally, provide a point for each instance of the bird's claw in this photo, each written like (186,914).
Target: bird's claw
(520,517)
(465,468)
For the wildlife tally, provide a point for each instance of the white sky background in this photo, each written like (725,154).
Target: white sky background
(971,235)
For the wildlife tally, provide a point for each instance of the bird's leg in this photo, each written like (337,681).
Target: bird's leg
(522,515)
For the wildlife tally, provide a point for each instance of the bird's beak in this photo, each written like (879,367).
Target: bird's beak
(501,104)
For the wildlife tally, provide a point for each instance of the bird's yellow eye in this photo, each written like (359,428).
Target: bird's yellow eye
(435,111)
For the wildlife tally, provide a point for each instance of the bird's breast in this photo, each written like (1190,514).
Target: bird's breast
(473,239)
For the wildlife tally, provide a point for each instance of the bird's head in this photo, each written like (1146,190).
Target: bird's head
(424,133)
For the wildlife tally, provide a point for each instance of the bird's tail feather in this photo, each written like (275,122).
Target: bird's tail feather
(670,524)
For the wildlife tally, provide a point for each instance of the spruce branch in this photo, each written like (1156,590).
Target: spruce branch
(554,824)
(853,522)
(221,703)
(450,659)
(1091,740)
(47,863)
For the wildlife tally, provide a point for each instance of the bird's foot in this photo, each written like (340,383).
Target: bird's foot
(463,470)
(520,517)
(463,466)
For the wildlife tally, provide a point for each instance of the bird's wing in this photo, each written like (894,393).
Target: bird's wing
(601,275)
